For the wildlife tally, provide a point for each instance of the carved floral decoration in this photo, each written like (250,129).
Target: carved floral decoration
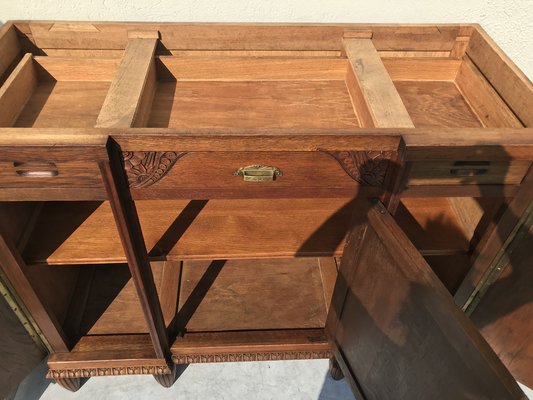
(144,168)
(366,167)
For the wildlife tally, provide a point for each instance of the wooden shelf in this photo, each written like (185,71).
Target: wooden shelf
(85,232)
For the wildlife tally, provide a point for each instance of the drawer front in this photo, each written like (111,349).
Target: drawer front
(32,174)
(467,172)
(255,172)
(51,167)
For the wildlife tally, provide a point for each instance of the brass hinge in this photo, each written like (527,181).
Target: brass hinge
(9,294)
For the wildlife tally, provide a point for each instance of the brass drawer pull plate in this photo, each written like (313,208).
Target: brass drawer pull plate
(36,169)
(258,173)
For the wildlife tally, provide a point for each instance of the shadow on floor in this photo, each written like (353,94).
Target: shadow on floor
(335,390)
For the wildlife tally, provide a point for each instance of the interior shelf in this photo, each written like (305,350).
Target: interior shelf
(85,232)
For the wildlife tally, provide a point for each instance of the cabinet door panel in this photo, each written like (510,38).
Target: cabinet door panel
(397,332)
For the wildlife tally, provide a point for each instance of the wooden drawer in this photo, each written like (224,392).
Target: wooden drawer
(31,174)
(468,172)
(250,174)
(51,173)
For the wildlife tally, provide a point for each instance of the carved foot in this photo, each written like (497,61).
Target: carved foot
(72,384)
(167,380)
(335,370)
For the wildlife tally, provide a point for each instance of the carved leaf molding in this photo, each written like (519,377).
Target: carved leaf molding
(366,167)
(108,371)
(144,168)
(242,357)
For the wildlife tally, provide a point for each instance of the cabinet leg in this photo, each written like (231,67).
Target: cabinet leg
(167,380)
(335,369)
(72,384)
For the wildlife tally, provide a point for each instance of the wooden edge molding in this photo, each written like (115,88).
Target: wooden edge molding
(243,357)
(108,371)
(144,168)
(365,167)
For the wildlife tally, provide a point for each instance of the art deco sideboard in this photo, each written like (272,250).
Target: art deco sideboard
(184,193)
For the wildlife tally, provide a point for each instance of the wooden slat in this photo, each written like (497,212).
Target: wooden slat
(250,69)
(384,104)
(17,90)
(421,144)
(187,36)
(511,83)
(135,79)
(52,194)
(274,341)
(9,48)
(117,53)
(489,108)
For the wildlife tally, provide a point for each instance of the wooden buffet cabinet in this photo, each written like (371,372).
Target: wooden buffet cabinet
(183,193)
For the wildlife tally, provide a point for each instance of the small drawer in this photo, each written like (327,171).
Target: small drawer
(245,173)
(468,172)
(51,167)
(46,173)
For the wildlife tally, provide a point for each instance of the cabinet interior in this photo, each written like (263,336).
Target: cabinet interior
(249,281)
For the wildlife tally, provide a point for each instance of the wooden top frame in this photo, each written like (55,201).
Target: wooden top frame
(399,43)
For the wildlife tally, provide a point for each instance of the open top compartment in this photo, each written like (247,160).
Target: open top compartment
(47,92)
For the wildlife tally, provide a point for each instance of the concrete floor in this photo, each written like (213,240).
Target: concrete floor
(280,380)
(295,380)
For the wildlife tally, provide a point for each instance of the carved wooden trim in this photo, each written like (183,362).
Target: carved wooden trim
(108,371)
(144,168)
(366,167)
(240,357)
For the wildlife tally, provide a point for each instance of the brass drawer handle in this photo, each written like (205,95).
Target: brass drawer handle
(470,168)
(258,173)
(36,169)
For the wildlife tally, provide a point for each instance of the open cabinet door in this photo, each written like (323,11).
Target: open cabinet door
(396,331)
